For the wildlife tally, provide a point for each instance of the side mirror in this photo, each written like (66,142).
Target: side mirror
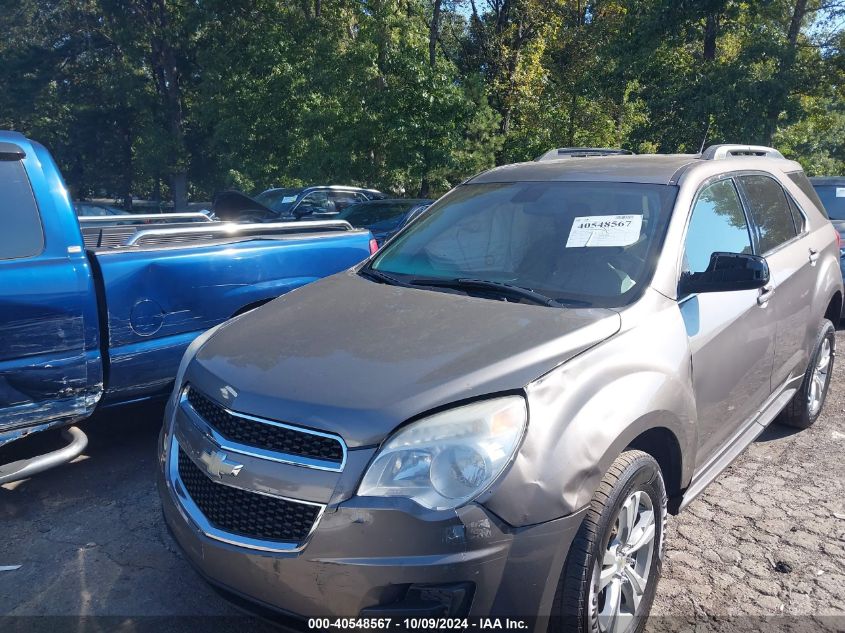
(727,272)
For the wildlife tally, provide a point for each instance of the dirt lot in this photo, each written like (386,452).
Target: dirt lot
(767,539)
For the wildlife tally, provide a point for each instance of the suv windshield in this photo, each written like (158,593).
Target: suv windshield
(278,199)
(576,243)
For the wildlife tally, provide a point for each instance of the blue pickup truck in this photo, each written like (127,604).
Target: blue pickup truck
(94,315)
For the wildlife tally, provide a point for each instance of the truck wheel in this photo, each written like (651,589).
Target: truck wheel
(806,405)
(611,571)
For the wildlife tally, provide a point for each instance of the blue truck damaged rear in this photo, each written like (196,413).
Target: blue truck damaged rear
(83,325)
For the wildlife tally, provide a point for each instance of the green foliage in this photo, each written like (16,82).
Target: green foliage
(175,98)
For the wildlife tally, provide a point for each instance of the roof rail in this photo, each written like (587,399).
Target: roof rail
(720,152)
(581,152)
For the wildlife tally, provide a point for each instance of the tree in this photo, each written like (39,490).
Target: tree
(181,99)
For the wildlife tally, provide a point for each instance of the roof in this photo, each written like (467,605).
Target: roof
(11,136)
(644,168)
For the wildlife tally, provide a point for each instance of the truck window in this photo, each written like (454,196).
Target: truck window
(770,211)
(22,235)
(718,225)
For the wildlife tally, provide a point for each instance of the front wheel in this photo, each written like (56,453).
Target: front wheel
(610,576)
(806,405)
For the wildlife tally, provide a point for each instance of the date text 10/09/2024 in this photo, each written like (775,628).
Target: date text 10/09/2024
(410,624)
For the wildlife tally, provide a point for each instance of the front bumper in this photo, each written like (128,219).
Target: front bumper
(366,553)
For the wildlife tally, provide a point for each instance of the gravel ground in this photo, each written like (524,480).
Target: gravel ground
(766,540)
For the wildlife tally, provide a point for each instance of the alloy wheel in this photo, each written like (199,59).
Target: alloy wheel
(818,381)
(620,574)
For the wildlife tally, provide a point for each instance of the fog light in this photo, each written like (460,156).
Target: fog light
(452,600)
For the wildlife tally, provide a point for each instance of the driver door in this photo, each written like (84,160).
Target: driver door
(731,334)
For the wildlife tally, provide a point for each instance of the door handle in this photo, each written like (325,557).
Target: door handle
(766,293)
(814,256)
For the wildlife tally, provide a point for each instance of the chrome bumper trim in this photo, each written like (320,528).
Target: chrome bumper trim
(253,451)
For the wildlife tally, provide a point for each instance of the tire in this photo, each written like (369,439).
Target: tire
(801,412)
(577,602)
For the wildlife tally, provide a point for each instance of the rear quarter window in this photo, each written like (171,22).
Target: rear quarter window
(804,184)
(22,235)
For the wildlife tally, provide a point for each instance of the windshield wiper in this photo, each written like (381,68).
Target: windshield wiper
(377,275)
(500,287)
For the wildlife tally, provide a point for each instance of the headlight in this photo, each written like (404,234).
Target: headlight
(449,458)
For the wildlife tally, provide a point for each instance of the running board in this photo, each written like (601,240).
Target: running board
(21,469)
(737,445)
(725,459)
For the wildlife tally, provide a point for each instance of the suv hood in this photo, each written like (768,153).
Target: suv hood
(355,357)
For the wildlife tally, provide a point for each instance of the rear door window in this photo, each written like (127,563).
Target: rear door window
(717,225)
(770,212)
(22,235)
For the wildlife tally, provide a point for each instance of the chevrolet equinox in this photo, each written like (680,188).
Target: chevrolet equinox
(495,413)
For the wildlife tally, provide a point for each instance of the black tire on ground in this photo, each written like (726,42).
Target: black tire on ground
(797,413)
(632,471)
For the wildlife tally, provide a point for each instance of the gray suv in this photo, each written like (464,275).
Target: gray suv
(495,413)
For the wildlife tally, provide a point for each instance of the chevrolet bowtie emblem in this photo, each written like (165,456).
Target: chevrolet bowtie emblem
(217,465)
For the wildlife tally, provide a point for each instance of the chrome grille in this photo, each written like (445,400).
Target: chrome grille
(266,435)
(242,513)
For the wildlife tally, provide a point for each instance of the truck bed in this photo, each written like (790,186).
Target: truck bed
(158,297)
(151,230)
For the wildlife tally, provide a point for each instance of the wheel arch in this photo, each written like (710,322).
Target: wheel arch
(561,463)
(834,308)
(663,445)
(587,411)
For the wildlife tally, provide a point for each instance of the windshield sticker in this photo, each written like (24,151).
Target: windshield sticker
(288,199)
(605,230)
(840,192)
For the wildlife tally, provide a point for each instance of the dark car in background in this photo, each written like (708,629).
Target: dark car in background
(95,209)
(321,201)
(290,204)
(831,192)
(385,217)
